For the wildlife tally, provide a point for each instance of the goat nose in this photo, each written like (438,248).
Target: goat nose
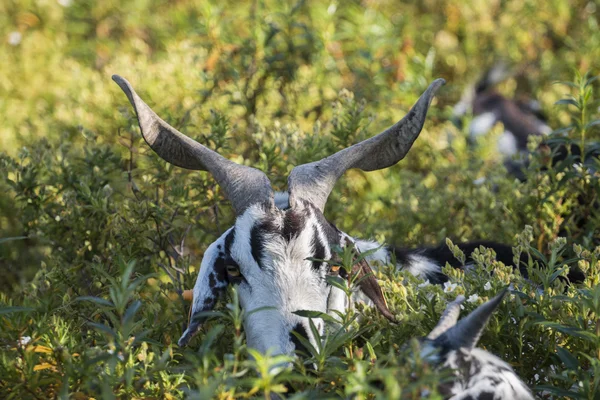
(300,347)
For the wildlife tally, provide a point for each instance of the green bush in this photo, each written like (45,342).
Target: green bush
(98,236)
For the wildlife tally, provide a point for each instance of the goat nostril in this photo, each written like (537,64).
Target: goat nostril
(300,347)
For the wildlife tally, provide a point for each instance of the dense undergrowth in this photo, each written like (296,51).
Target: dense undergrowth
(98,236)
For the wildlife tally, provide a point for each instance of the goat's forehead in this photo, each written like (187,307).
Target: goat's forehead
(268,238)
(288,222)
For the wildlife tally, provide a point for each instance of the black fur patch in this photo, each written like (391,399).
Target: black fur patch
(400,255)
(220,268)
(332,233)
(516,118)
(258,239)
(293,222)
(229,240)
(319,251)
(299,329)
(257,244)
(442,255)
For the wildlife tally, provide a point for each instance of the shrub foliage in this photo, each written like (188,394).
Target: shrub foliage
(99,237)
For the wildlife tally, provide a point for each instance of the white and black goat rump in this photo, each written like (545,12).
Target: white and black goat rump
(478,374)
(268,252)
(426,262)
(520,118)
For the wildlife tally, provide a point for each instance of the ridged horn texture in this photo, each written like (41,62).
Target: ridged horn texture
(242,185)
(466,333)
(315,181)
(448,318)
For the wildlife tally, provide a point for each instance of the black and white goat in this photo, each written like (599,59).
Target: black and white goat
(520,118)
(269,252)
(478,374)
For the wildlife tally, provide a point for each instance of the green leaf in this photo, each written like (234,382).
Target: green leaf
(539,255)
(10,239)
(209,339)
(206,315)
(337,282)
(103,328)
(568,102)
(364,254)
(131,311)
(101,358)
(587,126)
(566,83)
(316,314)
(591,80)
(372,354)
(556,273)
(15,309)
(96,300)
(569,330)
(567,358)
(141,337)
(561,393)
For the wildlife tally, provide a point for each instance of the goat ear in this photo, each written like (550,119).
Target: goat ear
(466,333)
(448,318)
(211,282)
(369,286)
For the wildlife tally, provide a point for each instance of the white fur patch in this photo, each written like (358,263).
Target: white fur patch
(507,144)
(545,129)
(380,257)
(422,266)
(486,374)
(481,124)
(202,289)
(465,103)
(285,281)
(418,265)
(337,301)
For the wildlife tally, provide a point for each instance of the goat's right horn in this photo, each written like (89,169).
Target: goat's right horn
(243,185)
(314,181)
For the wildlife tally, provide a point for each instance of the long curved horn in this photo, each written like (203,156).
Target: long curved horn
(314,181)
(448,318)
(242,185)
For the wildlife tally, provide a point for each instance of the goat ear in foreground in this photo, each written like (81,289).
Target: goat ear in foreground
(448,318)
(242,185)
(314,181)
(211,282)
(466,333)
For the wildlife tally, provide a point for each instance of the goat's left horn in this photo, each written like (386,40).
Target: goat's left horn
(313,182)
(243,185)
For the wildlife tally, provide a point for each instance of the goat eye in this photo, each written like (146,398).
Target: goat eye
(233,270)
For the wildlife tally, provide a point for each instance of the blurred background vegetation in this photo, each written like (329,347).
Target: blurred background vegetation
(270,84)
